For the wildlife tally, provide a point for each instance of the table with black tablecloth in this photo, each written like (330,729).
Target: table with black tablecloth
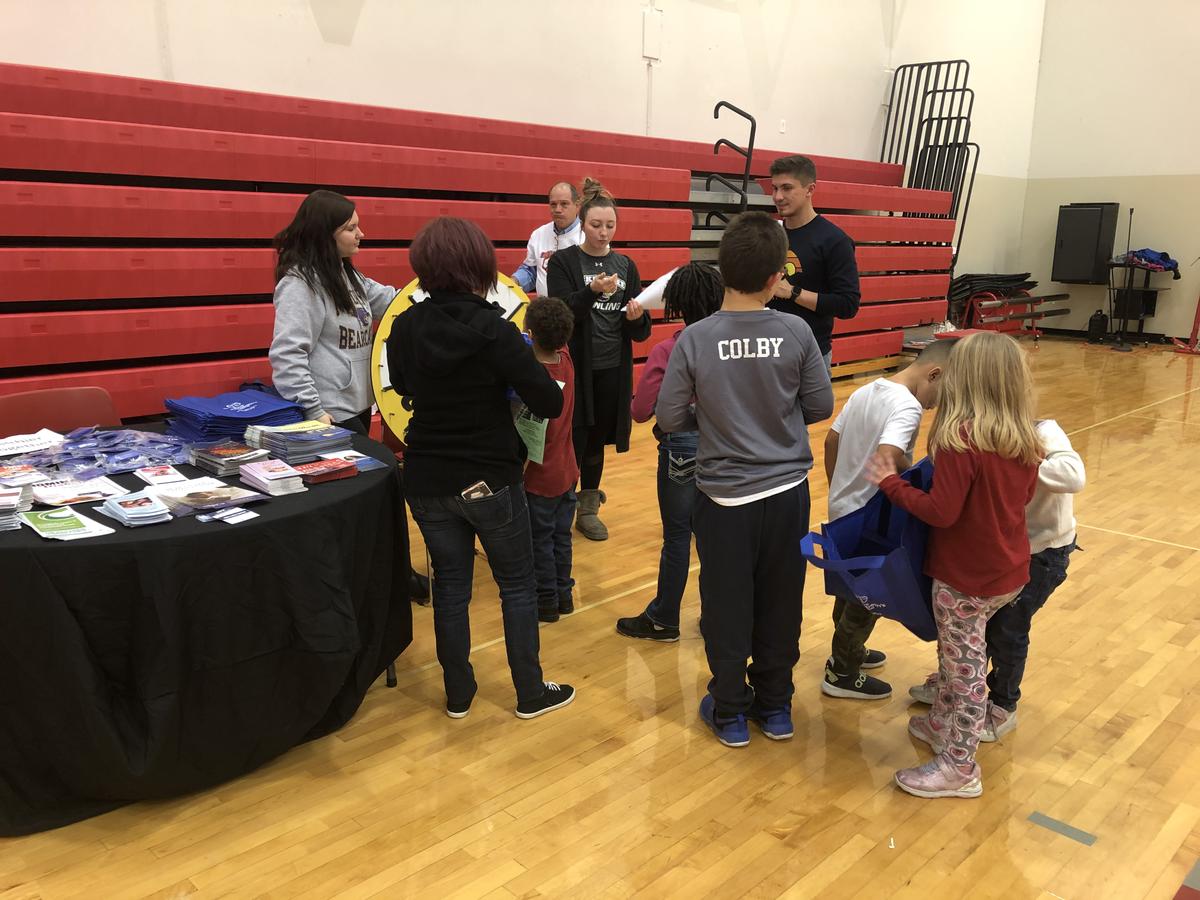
(161,660)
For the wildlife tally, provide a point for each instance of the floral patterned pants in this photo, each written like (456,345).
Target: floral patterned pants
(960,700)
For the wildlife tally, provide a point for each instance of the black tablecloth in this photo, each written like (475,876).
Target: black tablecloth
(160,660)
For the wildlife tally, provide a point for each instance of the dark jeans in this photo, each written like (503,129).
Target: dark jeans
(752,596)
(360,424)
(449,526)
(591,439)
(550,521)
(852,625)
(1008,628)
(676,500)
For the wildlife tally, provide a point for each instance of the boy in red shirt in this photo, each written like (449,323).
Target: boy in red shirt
(550,483)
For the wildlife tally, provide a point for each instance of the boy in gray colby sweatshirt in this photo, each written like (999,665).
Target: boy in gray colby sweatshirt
(750,380)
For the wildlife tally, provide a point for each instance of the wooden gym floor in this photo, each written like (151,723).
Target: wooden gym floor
(625,794)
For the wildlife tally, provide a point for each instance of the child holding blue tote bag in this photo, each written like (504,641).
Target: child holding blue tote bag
(875,557)
(881,417)
(987,453)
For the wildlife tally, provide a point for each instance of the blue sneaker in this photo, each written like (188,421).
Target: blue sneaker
(731,732)
(775,723)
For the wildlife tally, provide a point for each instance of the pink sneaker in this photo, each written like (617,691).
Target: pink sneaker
(938,778)
(998,723)
(923,729)
(923,693)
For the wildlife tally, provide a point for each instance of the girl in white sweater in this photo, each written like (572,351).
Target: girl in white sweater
(1050,521)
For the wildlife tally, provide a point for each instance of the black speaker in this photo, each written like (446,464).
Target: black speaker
(1084,243)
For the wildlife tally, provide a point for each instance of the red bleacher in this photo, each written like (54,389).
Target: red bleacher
(45,143)
(164,197)
(54,275)
(39,209)
(86,95)
(29,339)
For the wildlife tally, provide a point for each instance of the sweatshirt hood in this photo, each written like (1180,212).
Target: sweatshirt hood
(453,328)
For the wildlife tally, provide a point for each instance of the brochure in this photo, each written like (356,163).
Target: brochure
(135,510)
(19,444)
(327,470)
(364,462)
(63,524)
(67,491)
(159,474)
(17,475)
(202,494)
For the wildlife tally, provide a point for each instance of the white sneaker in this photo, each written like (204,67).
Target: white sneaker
(923,693)
(998,722)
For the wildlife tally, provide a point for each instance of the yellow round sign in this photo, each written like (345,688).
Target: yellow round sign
(395,410)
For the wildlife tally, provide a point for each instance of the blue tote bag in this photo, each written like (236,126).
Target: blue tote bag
(877,554)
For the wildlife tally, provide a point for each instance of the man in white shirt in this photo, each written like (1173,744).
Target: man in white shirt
(881,417)
(562,232)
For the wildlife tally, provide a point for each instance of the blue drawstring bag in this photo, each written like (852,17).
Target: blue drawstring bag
(877,554)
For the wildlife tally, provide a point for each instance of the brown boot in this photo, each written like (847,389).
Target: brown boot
(587,519)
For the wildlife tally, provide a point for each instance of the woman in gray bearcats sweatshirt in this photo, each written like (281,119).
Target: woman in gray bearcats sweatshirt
(324,312)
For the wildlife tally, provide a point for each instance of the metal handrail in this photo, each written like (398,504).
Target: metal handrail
(747,154)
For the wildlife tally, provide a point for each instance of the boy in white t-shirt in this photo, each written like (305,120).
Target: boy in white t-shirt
(881,417)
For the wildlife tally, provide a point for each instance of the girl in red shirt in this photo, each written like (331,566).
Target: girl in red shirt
(986,454)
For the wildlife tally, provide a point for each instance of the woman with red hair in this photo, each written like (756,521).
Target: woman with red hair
(456,358)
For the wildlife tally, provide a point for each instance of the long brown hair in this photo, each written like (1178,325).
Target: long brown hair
(987,400)
(308,249)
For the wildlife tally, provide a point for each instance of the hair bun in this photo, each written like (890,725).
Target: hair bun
(593,189)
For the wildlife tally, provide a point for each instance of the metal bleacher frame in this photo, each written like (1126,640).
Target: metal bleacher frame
(136,218)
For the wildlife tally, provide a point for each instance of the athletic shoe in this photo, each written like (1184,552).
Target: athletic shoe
(774,723)
(555,696)
(640,626)
(874,659)
(938,778)
(921,727)
(997,724)
(458,710)
(547,613)
(923,693)
(730,732)
(566,604)
(854,687)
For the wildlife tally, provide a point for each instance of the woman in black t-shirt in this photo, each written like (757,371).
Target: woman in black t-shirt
(601,287)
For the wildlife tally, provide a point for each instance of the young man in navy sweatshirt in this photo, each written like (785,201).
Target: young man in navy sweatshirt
(821,276)
(750,380)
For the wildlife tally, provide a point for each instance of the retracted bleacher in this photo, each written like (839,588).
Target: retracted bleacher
(136,218)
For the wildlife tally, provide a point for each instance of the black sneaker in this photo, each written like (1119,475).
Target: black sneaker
(459,710)
(566,604)
(641,627)
(874,659)
(854,687)
(547,613)
(555,695)
(418,586)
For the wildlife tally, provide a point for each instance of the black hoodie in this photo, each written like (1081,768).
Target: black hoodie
(455,357)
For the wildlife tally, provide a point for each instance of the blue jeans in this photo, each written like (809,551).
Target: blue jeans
(449,526)
(1008,628)
(676,499)
(550,521)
